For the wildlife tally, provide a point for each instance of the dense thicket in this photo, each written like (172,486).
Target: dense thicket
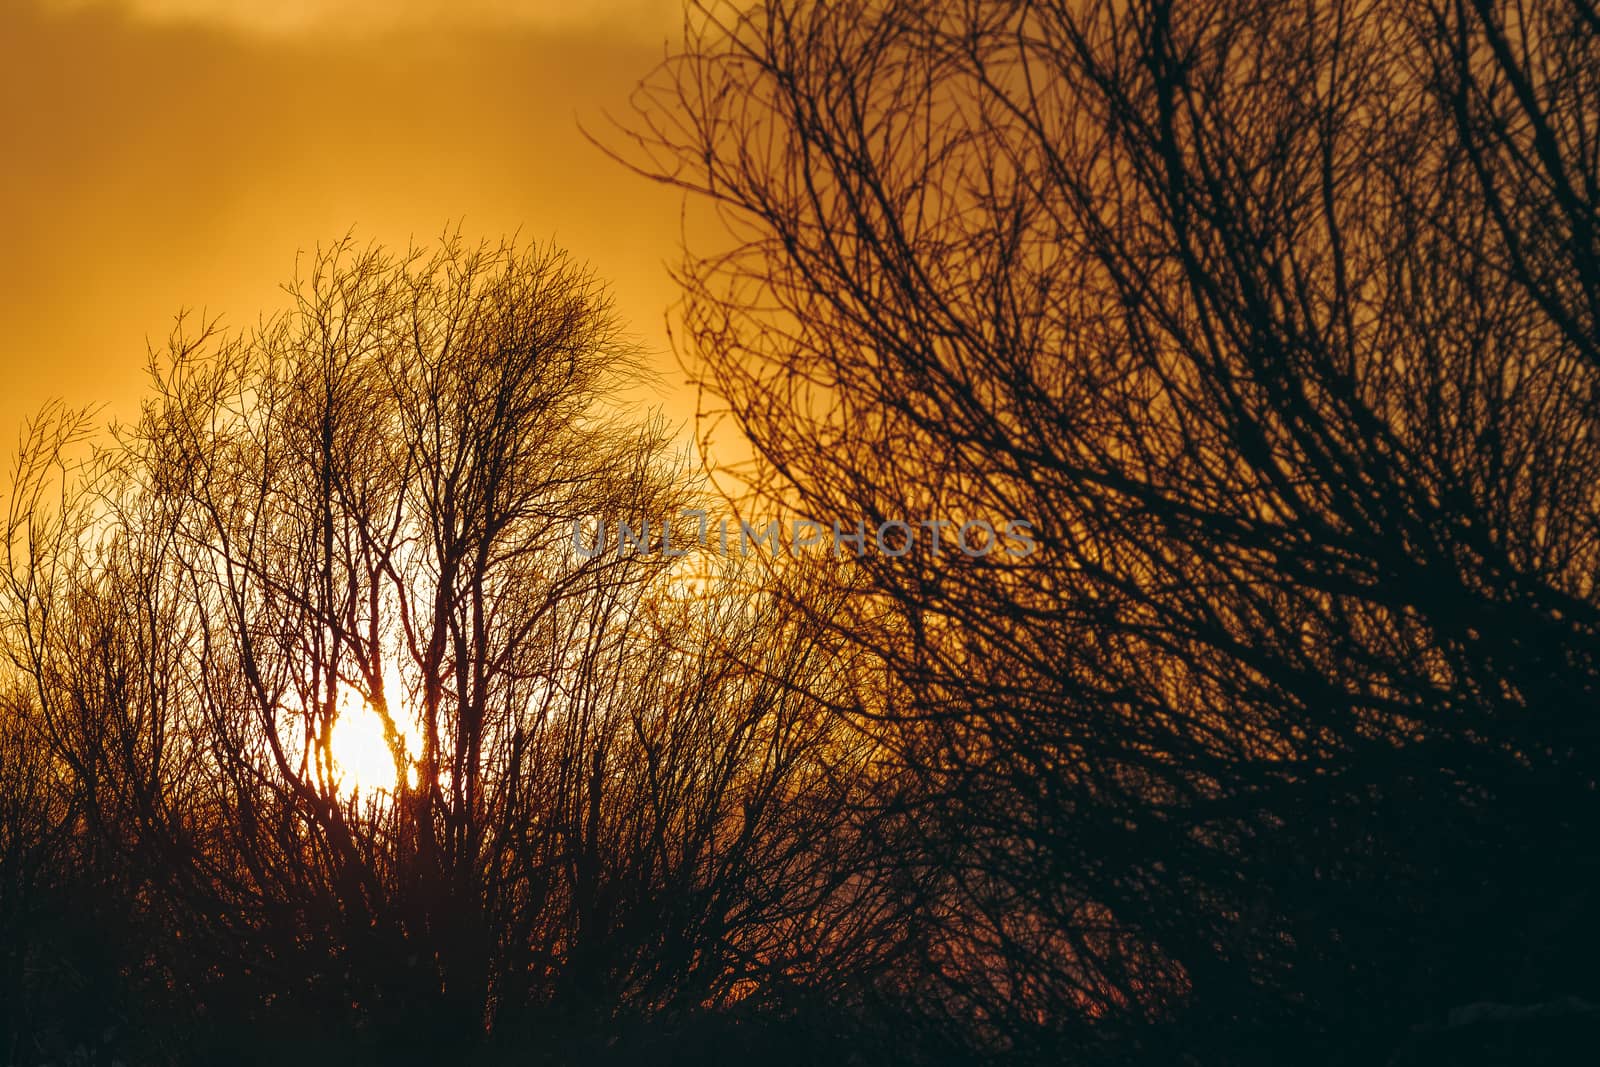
(1281,321)
(616,821)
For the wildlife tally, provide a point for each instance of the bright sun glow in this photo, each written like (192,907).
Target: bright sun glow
(361,755)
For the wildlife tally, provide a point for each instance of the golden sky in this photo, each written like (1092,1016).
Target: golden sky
(162,154)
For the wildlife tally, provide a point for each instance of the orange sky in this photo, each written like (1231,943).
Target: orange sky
(160,154)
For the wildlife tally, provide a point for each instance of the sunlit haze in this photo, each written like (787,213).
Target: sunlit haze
(171,154)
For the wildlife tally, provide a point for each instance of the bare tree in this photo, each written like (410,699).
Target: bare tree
(1277,322)
(613,801)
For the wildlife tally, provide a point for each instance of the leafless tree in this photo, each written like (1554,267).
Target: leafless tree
(1278,322)
(618,797)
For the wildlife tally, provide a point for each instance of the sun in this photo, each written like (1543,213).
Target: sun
(361,756)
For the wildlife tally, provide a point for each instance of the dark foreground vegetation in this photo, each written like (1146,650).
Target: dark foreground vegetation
(1279,321)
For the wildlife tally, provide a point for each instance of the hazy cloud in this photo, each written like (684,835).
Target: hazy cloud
(157,164)
(646,18)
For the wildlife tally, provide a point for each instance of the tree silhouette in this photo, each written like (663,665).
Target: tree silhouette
(1279,323)
(614,811)
(1276,326)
